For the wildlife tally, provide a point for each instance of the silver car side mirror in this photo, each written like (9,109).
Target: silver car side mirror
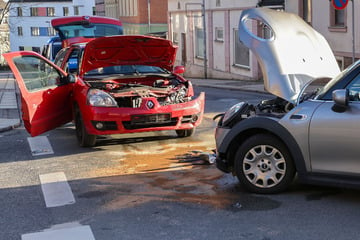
(341,97)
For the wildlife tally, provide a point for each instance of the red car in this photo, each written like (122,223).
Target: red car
(84,28)
(110,85)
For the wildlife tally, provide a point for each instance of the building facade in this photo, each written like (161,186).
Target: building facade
(225,57)
(29,21)
(139,16)
(4,31)
(341,28)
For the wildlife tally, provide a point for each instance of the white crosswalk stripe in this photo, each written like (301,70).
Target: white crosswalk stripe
(56,189)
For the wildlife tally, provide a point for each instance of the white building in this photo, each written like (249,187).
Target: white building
(29,21)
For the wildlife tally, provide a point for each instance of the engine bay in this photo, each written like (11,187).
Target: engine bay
(129,92)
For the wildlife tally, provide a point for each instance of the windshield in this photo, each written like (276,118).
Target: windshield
(89,30)
(331,83)
(127,70)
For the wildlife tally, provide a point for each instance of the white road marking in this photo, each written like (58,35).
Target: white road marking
(72,233)
(40,145)
(56,190)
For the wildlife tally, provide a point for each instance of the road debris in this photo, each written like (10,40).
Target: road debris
(197,157)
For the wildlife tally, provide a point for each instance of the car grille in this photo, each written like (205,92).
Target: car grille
(150,120)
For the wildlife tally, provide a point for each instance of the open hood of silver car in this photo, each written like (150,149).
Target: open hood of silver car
(291,54)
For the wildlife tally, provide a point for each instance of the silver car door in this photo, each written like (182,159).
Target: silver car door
(334,137)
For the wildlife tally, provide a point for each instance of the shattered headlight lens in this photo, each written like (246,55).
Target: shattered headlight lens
(98,98)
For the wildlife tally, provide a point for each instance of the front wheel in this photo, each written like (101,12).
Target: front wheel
(84,138)
(263,164)
(185,132)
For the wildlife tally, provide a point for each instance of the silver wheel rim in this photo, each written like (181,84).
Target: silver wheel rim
(264,166)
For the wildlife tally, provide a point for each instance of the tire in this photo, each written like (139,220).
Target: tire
(84,138)
(264,165)
(185,132)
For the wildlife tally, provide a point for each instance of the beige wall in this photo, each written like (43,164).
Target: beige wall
(184,19)
(340,40)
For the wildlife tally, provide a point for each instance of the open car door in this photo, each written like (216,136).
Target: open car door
(46,92)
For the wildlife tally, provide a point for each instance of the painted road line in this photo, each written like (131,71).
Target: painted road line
(74,233)
(56,190)
(40,145)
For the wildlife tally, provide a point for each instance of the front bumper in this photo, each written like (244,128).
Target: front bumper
(104,121)
(221,162)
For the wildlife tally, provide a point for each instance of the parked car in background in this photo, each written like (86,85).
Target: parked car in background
(76,29)
(109,85)
(51,48)
(310,127)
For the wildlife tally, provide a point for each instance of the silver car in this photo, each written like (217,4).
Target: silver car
(312,125)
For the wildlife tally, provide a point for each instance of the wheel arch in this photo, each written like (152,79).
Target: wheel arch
(257,125)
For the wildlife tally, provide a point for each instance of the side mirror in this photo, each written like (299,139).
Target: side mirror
(179,69)
(341,99)
(70,78)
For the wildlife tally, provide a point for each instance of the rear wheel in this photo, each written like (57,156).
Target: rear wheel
(185,132)
(263,164)
(84,138)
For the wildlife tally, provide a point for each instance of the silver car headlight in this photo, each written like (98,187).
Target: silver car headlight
(232,112)
(98,98)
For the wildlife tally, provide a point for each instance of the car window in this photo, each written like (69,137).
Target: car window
(72,62)
(36,73)
(127,70)
(60,57)
(354,89)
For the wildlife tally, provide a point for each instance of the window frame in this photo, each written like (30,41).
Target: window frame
(199,43)
(333,26)
(236,44)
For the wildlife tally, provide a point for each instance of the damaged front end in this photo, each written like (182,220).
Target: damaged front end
(131,94)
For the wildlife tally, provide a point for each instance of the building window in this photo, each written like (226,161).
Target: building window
(51,31)
(175,37)
(199,43)
(219,34)
(20,31)
(65,11)
(218,3)
(241,52)
(19,11)
(36,49)
(35,31)
(305,10)
(50,11)
(76,10)
(337,19)
(21,48)
(33,12)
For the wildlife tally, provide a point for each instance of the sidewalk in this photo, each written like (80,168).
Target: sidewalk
(10,114)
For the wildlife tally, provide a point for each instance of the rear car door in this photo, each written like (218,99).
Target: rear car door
(46,93)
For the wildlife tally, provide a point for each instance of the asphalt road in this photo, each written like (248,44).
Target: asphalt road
(154,186)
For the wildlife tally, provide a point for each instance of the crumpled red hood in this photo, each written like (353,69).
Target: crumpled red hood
(128,50)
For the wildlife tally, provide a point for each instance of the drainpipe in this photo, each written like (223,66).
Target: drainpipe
(205,51)
(149,20)
(353,31)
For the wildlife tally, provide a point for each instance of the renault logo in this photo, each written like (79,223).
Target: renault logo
(150,104)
